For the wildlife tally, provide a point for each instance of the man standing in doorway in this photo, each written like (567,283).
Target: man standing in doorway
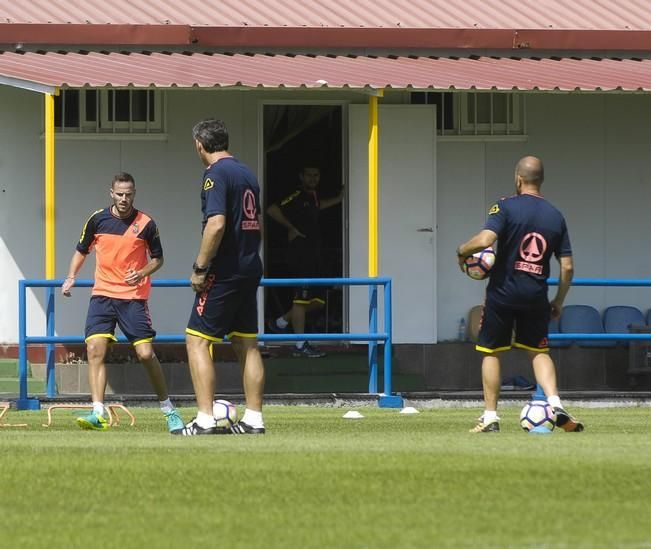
(299,214)
(529,230)
(128,252)
(225,277)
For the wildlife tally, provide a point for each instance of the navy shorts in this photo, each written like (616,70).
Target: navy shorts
(225,308)
(500,325)
(131,315)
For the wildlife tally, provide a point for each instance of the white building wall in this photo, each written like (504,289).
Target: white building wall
(595,149)
(168,176)
(21,206)
(596,154)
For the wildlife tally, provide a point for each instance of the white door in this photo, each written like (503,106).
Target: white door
(407,218)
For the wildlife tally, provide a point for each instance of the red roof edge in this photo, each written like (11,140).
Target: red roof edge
(78,35)
(508,39)
(331,38)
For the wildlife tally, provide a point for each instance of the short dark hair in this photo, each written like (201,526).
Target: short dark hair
(123,177)
(212,134)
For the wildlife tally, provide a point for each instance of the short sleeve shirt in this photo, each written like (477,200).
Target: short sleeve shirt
(120,245)
(231,189)
(302,209)
(529,232)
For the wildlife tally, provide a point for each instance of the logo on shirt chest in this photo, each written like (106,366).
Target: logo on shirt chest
(135,229)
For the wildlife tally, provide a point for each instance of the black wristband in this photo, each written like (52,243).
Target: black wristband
(199,270)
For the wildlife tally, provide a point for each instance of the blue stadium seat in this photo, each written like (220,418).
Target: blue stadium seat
(554,328)
(619,318)
(584,319)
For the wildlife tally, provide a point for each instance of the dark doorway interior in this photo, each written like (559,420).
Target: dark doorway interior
(294,135)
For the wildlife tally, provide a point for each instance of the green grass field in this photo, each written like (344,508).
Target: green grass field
(317,480)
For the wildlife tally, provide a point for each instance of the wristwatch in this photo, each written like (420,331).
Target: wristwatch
(199,270)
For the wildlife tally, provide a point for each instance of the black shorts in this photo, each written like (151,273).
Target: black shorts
(225,308)
(306,295)
(304,262)
(500,326)
(131,315)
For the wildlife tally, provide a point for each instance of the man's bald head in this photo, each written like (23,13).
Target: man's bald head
(531,170)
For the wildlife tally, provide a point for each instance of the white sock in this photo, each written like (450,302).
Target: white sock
(205,421)
(98,408)
(490,415)
(281,322)
(166,406)
(554,401)
(253,418)
(299,344)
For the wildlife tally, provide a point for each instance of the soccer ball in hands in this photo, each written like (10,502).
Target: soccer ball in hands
(478,265)
(225,413)
(537,413)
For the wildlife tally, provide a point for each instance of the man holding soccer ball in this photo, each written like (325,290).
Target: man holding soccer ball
(529,231)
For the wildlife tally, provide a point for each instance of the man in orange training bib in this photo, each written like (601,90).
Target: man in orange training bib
(128,251)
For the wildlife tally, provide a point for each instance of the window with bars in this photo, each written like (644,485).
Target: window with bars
(475,113)
(109,111)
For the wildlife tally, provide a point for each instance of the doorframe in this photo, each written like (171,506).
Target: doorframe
(345,263)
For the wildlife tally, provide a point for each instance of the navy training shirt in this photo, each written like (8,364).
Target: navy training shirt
(231,189)
(302,208)
(529,231)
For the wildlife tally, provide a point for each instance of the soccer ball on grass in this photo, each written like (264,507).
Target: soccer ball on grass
(225,413)
(537,414)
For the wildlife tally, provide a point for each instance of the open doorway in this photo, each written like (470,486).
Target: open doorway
(295,137)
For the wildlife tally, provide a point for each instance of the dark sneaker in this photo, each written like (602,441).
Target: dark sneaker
(490,427)
(193,429)
(241,428)
(523,384)
(566,422)
(308,351)
(273,328)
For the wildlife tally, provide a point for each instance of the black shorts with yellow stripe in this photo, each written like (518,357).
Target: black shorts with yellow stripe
(225,308)
(304,262)
(502,327)
(308,295)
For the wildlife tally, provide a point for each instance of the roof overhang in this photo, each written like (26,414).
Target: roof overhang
(259,71)
(247,37)
(27,85)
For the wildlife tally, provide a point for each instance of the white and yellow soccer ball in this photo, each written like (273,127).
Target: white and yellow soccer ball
(537,413)
(225,413)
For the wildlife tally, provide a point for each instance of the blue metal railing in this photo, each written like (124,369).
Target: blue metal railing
(373,336)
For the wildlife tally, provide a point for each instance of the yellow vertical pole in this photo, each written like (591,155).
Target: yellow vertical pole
(50,243)
(373,201)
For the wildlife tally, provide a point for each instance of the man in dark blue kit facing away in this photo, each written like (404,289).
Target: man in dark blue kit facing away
(528,230)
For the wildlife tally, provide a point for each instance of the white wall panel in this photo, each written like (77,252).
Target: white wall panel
(595,149)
